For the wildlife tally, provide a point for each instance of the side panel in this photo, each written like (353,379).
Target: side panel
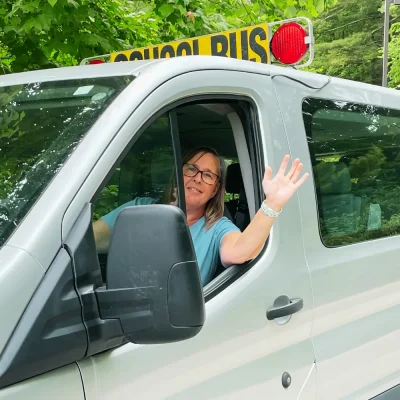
(356,287)
(239,352)
(50,333)
(63,383)
(20,274)
(309,390)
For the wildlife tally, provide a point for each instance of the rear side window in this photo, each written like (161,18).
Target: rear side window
(355,152)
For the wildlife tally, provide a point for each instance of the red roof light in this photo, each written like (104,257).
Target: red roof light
(288,44)
(96,62)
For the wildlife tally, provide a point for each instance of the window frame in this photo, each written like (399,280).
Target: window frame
(308,111)
(251,126)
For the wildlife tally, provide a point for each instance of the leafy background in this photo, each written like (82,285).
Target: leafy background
(38,34)
(50,33)
(349,39)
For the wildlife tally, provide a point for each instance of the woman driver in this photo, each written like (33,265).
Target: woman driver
(213,234)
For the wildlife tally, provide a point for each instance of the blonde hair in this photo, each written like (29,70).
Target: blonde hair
(215,206)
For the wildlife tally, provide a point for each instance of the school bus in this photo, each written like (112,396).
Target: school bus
(285,42)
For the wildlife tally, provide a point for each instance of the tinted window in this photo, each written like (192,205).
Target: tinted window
(355,151)
(40,125)
(145,174)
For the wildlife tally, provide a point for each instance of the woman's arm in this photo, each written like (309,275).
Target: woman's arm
(239,247)
(102,235)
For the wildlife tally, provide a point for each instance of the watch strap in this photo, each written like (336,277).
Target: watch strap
(269,211)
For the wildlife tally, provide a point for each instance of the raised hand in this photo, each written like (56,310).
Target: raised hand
(279,189)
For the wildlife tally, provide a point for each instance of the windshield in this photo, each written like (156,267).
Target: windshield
(40,126)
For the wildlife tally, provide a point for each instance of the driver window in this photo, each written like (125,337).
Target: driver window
(144,176)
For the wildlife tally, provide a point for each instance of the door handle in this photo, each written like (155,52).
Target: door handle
(292,306)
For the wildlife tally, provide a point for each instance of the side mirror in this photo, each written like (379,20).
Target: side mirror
(153,283)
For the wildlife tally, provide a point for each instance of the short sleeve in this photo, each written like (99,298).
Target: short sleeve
(111,217)
(224,226)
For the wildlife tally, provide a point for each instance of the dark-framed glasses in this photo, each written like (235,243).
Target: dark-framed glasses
(191,171)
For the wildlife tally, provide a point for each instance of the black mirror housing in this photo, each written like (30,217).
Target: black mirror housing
(153,282)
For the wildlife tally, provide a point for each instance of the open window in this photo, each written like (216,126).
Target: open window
(229,128)
(151,167)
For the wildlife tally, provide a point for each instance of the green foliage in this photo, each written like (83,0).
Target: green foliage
(349,58)
(47,33)
(37,34)
(394,54)
(348,41)
(107,201)
(186,18)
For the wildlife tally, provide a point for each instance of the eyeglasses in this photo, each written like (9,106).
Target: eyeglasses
(191,171)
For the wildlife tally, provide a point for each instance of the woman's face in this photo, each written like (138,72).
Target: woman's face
(198,192)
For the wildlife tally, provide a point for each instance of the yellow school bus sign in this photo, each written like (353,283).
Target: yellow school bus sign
(245,44)
(288,45)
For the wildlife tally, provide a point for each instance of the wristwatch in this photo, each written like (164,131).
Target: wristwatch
(269,211)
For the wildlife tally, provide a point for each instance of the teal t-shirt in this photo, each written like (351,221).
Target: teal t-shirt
(206,243)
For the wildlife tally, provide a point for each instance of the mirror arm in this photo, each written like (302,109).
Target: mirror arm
(126,304)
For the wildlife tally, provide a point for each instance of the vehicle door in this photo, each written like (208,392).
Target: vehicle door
(41,332)
(348,135)
(239,352)
(48,386)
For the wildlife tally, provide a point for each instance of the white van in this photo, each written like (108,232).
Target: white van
(315,316)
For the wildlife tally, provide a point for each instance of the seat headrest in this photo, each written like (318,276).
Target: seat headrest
(333,177)
(234,180)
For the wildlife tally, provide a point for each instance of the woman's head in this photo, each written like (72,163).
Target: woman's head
(204,174)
